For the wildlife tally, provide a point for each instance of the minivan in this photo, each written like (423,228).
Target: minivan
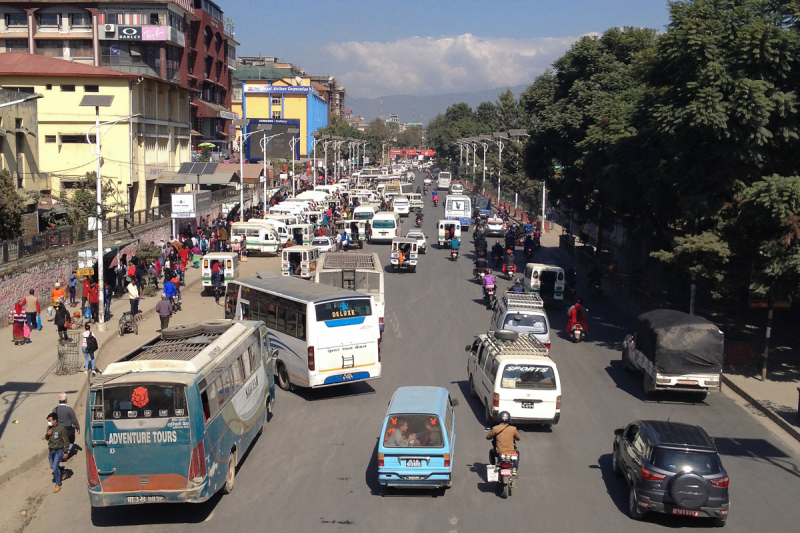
(523,313)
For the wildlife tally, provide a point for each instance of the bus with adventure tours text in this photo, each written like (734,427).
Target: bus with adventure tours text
(169,421)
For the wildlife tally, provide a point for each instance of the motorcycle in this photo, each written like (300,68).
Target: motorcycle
(528,254)
(454,254)
(496,258)
(489,296)
(509,271)
(480,253)
(577,333)
(435,202)
(537,243)
(419,222)
(596,289)
(479,273)
(504,473)
(572,292)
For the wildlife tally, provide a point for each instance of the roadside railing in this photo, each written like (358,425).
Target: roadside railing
(30,245)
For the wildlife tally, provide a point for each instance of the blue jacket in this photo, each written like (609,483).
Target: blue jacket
(169,289)
(454,244)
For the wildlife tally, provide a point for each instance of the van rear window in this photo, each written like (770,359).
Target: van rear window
(383,224)
(410,430)
(538,377)
(146,400)
(532,323)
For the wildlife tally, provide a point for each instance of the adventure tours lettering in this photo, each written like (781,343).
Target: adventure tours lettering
(143,437)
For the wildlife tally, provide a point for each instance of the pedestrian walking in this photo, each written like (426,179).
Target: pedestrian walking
(17,318)
(107,302)
(73,288)
(57,445)
(67,419)
(32,310)
(164,310)
(61,320)
(338,242)
(56,293)
(216,283)
(133,297)
(86,288)
(89,346)
(94,302)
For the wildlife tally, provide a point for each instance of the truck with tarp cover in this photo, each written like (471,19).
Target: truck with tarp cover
(675,351)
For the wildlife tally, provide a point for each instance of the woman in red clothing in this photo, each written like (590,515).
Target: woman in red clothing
(18,319)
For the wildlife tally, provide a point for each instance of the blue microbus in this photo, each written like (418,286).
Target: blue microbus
(459,207)
(484,205)
(417,444)
(169,421)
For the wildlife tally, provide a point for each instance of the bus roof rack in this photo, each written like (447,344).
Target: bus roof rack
(530,300)
(348,261)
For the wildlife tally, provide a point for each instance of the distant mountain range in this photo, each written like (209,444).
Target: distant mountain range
(421,109)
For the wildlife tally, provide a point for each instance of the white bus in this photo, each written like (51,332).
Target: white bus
(323,335)
(385,226)
(458,207)
(444,181)
(360,272)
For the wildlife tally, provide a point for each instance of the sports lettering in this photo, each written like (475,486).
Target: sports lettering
(143,437)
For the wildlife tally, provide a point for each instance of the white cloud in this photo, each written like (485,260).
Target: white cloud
(424,65)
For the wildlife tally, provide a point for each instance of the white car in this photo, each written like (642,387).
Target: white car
(427,180)
(456,188)
(422,243)
(323,244)
(495,227)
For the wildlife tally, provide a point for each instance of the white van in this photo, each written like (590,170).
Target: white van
(286,208)
(523,313)
(300,261)
(512,372)
(363,212)
(385,227)
(546,280)
(401,206)
(259,237)
(228,261)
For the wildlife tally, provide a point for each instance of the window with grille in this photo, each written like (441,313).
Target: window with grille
(16,19)
(80,19)
(50,48)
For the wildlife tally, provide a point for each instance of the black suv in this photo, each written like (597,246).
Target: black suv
(671,468)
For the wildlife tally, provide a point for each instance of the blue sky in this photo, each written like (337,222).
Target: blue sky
(432,47)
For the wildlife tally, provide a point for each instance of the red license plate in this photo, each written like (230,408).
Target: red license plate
(686,512)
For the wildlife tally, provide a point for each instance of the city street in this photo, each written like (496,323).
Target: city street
(315,468)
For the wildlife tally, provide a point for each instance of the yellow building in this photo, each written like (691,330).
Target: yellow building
(134,151)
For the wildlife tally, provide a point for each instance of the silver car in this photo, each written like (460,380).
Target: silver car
(422,243)
(495,227)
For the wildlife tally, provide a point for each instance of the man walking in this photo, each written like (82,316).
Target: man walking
(67,419)
(57,445)
(164,310)
(32,309)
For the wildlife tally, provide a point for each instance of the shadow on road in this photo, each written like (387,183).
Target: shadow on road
(160,513)
(333,393)
(616,488)
(474,403)
(756,449)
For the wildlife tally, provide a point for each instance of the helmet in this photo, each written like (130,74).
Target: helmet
(518,281)
(509,251)
(505,417)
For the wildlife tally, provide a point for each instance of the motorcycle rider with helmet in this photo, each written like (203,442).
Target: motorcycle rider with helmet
(511,262)
(518,287)
(576,315)
(504,436)
(511,239)
(488,281)
(497,251)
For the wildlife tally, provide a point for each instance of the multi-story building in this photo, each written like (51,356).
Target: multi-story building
(186,42)
(19,145)
(334,95)
(147,130)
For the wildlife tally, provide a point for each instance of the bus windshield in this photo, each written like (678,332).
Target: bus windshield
(349,308)
(145,400)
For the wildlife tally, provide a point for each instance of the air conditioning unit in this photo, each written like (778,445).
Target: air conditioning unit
(110,27)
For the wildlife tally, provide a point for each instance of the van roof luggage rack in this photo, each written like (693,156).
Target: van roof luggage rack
(507,343)
(348,260)
(529,300)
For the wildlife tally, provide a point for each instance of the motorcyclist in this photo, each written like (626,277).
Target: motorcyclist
(488,281)
(481,246)
(511,240)
(504,436)
(425,189)
(511,262)
(455,243)
(435,197)
(528,228)
(419,218)
(497,251)
(528,244)
(419,190)
(480,264)
(571,276)
(518,288)
(575,315)
(478,233)
(595,277)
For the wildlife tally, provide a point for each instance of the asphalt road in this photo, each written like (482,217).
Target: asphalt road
(315,468)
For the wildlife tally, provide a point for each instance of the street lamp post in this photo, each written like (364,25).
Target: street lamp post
(293,145)
(264,143)
(98,101)
(482,141)
(516,134)
(244,122)
(497,139)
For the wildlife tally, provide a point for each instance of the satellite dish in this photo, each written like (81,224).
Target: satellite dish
(298,79)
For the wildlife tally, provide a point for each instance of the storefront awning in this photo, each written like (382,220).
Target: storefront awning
(218,178)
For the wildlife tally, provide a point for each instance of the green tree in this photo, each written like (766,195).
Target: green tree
(411,137)
(80,203)
(12,206)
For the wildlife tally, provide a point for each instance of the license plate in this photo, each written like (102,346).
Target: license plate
(145,499)
(686,512)
(413,478)
(527,405)
(505,472)
(413,462)
(347,377)
(686,382)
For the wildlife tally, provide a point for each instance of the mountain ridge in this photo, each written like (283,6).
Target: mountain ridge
(422,109)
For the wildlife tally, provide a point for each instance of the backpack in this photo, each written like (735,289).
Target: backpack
(91,343)
(132,271)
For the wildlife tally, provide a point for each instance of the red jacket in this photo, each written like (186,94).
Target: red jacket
(576,315)
(94,295)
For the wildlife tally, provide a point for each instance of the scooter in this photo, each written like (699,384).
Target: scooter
(528,255)
(419,221)
(596,289)
(537,243)
(480,253)
(504,473)
(509,271)
(435,202)
(479,273)
(496,259)
(489,296)
(577,334)
(454,254)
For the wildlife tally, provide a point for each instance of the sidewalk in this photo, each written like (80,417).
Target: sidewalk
(777,398)
(30,388)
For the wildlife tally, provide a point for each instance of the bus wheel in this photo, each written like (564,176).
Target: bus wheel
(283,377)
(229,479)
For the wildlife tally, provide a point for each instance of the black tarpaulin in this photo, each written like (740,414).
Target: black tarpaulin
(679,343)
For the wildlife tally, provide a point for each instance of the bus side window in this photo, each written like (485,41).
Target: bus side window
(272,316)
(301,326)
(221,393)
(291,323)
(238,379)
(281,320)
(255,360)
(210,402)
(247,367)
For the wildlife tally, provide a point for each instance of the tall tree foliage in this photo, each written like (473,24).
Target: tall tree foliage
(12,205)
